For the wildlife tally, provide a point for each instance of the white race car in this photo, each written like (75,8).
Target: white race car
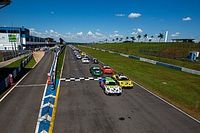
(110,86)
(78,56)
(85,60)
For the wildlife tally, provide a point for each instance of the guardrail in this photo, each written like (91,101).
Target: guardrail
(8,81)
(171,66)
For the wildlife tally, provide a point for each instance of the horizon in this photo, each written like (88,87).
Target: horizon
(87,22)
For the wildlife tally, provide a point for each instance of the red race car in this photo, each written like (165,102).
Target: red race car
(107,69)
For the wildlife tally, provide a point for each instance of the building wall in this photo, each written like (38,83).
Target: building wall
(5,43)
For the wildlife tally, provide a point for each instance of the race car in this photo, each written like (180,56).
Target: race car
(96,71)
(123,81)
(109,86)
(95,61)
(78,56)
(85,60)
(107,69)
(83,54)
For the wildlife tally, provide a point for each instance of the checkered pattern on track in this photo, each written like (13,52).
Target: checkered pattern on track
(79,79)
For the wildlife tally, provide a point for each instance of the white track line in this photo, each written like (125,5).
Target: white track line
(16,84)
(13,87)
(167,102)
(40,113)
(31,85)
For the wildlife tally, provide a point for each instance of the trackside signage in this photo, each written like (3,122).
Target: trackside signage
(12,38)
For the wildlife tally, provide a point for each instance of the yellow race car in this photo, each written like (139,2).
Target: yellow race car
(123,81)
(83,54)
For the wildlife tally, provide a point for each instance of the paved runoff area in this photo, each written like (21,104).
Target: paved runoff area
(19,110)
(84,108)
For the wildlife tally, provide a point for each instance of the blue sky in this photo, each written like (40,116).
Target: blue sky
(90,20)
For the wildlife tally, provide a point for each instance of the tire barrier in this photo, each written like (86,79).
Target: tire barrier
(5,83)
(178,68)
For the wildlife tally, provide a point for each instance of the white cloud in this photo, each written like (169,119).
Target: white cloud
(79,33)
(139,30)
(98,34)
(187,19)
(134,15)
(120,15)
(90,33)
(176,34)
(116,31)
(134,33)
(52,31)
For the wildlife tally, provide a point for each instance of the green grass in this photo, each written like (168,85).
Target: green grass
(1,58)
(177,87)
(31,63)
(16,63)
(60,63)
(164,52)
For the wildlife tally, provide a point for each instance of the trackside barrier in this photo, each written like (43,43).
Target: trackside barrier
(168,66)
(179,68)
(5,83)
(48,100)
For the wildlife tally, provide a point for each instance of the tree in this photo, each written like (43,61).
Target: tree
(117,39)
(127,38)
(113,40)
(160,36)
(121,39)
(138,37)
(145,37)
(133,38)
(151,38)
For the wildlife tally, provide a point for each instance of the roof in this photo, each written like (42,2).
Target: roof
(12,28)
(123,77)
(109,79)
(96,67)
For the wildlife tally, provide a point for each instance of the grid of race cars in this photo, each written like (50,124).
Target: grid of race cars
(110,81)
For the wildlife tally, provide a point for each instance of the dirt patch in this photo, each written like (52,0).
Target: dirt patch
(38,55)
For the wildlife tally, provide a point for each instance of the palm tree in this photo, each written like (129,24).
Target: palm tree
(151,38)
(117,39)
(145,37)
(160,36)
(138,37)
(133,38)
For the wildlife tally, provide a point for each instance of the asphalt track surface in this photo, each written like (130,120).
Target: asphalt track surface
(84,108)
(19,110)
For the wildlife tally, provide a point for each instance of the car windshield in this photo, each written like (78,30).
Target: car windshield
(123,78)
(110,83)
(106,67)
(96,69)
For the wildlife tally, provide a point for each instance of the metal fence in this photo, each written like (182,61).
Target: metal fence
(5,83)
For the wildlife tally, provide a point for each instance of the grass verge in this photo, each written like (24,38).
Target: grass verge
(31,63)
(181,89)
(16,63)
(60,62)
(172,53)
